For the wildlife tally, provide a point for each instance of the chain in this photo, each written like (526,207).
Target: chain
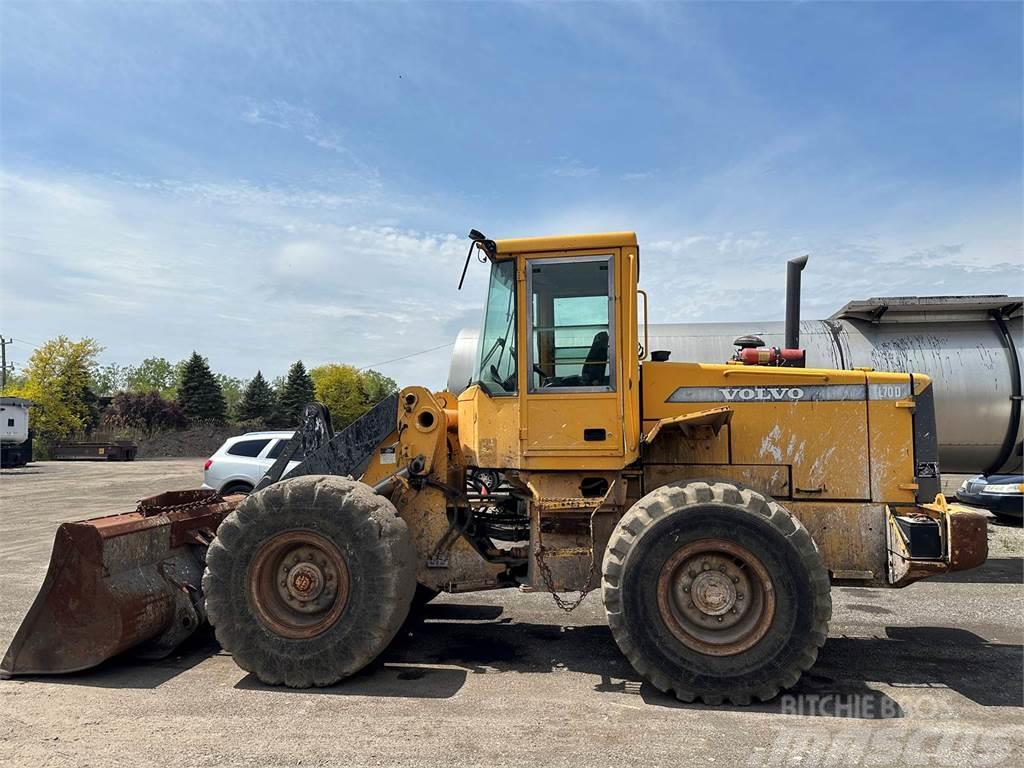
(545,570)
(160,509)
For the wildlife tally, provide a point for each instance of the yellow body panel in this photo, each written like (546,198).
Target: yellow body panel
(823,442)
(514,246)
(489,429)
(844,435)
(891,438)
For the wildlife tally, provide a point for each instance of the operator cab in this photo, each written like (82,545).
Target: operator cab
(558,311)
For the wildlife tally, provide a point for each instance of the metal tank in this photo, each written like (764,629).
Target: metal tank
(969,345)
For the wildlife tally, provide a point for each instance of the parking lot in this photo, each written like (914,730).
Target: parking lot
(928,675)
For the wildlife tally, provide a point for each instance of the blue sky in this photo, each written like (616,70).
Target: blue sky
(265,182)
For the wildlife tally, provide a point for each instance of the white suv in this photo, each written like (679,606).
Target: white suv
(239,464)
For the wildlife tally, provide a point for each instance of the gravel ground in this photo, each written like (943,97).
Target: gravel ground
(928,675)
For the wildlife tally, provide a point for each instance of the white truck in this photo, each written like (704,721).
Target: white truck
(15,436)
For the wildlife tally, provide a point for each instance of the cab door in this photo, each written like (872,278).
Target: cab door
(572,399)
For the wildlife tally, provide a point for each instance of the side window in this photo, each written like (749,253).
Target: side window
(250,448)
(279,446)
(572,338)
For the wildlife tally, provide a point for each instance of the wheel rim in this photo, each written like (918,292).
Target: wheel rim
(716,597)
(298,584)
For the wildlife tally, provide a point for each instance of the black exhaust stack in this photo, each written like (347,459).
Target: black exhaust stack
(793,269)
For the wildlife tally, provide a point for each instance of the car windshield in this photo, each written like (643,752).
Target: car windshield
(496,369)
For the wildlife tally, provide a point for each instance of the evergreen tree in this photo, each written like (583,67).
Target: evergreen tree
(296,393)
(200,395)
(258,401)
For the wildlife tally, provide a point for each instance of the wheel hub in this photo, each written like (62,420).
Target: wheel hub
(713,593)
(298,583)
(716,597)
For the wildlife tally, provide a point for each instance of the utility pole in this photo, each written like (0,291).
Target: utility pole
(3,362)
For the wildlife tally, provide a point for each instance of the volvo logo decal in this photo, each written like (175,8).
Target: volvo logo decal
(747,394)
(792,394)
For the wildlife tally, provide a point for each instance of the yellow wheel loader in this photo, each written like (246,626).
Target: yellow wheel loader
(712,504)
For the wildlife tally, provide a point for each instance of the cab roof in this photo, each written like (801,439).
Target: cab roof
(565,242)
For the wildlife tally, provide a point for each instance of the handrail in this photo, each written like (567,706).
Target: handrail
(765,371)
(647,344)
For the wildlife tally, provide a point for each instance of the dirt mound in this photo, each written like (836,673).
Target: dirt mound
(195,441)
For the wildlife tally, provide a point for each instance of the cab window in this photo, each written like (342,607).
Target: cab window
(572,339)
(496,368)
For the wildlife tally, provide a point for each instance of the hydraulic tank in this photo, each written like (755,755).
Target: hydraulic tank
(969,345)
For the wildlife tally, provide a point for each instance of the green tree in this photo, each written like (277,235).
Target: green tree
(232,389)
(377,386)
(258,401)
(199,394)
(57,379)
(153,373)
(297,391)
(110,379)
(339,387)
(349,393)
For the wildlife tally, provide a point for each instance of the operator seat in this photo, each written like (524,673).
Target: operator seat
(594,367)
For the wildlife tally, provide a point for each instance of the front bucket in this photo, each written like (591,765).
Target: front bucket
(119,582)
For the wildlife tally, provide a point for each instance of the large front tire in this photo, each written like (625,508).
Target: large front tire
(309,580)
(715,592)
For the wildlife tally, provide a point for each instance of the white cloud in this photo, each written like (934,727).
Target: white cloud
(305,122)
(570,168)
(638,176)
(147,270)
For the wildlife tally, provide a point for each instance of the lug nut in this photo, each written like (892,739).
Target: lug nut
(739,596)
(686,589)
(719,618)
(721,568)
(735,579)
(705,566)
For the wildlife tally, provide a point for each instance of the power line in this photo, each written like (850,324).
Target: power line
(23,341)
(406,357)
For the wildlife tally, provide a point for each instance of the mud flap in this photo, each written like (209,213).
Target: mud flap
(962,535)
(120,582)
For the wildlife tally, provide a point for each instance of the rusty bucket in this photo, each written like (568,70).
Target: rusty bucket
(124,581)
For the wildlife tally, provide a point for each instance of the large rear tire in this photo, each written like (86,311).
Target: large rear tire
(309,580)
(715,592)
